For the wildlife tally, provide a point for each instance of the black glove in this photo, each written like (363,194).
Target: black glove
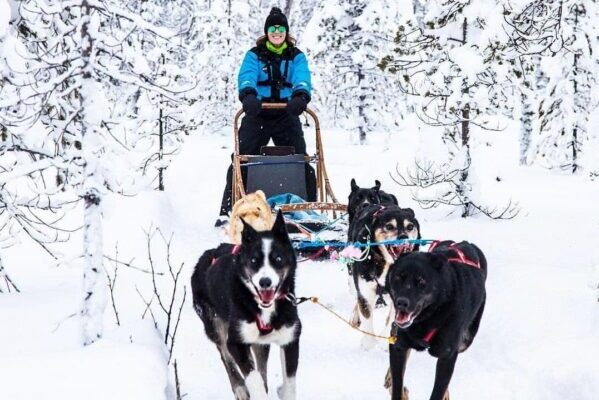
(251,105)
(297,104)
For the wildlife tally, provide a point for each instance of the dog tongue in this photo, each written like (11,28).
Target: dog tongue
(397,250)
(402,317)
(267,296)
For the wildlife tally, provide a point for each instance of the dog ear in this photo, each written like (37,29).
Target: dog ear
(394,199)
(377,184)
(261,194)
(248,233)
(408,211)
(354,186)
(437,261)
(279,229)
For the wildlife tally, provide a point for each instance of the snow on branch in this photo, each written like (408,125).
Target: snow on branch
(437,185)
(10,285)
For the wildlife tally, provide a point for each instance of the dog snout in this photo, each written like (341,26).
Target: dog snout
(403,236)
(402,303)
(265,283)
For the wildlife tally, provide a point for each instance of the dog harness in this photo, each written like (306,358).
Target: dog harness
(429,336)
(461,257)
(234,251)
(378,212)
(264,329)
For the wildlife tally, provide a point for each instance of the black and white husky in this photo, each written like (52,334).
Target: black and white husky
(243,296)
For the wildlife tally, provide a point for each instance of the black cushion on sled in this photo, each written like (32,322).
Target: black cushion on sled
(277,174)
(277,150)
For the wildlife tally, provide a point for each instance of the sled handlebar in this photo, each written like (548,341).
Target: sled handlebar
(266,106)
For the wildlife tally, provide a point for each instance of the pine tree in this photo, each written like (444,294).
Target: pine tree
(565,110)
(534,36)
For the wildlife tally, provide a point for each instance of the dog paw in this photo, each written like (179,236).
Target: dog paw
(354,319)
(368,342)
(388,380)
(241,393)
(285,393)
(389,386)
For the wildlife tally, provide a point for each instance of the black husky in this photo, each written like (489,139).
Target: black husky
(361,197)
(377,223)
(439,298)
(243,294)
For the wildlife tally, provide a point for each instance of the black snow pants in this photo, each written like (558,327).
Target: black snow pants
(284,130)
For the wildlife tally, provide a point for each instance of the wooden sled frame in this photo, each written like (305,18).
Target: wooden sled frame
(325,198)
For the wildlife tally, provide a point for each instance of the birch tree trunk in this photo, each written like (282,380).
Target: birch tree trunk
(94,285)
(464,186)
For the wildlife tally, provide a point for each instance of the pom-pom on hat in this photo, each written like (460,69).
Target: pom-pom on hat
(276,17)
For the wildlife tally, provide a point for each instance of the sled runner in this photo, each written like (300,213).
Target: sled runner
(292,185)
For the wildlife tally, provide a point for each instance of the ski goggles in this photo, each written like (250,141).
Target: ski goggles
(273,29)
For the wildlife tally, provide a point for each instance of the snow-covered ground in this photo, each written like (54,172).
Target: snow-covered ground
(539,334)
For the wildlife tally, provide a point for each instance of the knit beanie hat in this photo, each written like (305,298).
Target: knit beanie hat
(276,17)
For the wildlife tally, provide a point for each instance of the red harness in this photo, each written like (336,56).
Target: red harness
(461,258)
(378,212)
(262,327)
(234,250)
(429,336)
(267,328)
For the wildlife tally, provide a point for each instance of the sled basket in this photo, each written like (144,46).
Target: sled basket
(278,171)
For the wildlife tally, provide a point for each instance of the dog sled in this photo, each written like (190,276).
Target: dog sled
(303,193)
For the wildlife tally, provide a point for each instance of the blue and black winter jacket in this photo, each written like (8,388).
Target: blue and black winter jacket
(274,78)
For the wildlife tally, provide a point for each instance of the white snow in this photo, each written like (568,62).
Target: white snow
(538,334)
(538,338)
(4,17)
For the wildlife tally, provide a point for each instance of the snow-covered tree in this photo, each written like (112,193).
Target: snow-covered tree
(534,31)
(564,112)
(32,204)
(345,41)
(157,125)
(228,29)
(299,13)
(86,61)
(453,60)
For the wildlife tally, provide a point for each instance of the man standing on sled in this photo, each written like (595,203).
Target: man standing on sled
(274,71)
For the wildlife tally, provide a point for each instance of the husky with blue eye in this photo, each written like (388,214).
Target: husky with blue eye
(243,294)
